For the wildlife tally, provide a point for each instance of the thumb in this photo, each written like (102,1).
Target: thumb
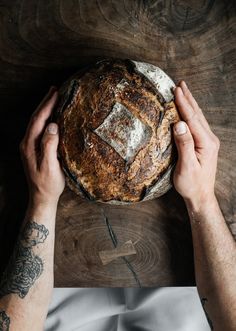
(50,142)
(184,142)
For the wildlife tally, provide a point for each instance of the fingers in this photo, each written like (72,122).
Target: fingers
(52,89)
(191,117)
(185,144)
(193,103)
(49,144)
(188,95)
(39,118)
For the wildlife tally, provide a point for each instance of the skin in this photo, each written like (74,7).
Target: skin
(214,245)
(194,179)
(46,183)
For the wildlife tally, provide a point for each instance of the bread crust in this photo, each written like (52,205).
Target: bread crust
(116,144)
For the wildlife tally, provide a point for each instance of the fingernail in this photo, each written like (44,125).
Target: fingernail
(180,128)
(52,128)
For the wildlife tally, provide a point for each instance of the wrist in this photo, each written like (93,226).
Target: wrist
(41,211)
(37,200)
(201,206)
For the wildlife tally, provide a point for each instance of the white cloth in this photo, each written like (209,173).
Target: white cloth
(126,309)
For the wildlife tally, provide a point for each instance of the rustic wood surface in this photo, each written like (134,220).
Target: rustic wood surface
(42,43)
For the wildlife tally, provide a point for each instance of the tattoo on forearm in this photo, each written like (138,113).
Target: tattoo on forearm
(24,267)
(4,321)
(203,301)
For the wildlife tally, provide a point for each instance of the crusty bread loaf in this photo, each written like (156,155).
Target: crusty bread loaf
(115,131)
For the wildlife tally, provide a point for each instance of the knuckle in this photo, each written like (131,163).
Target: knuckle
(200,113)
(48,143)
(22,146)
(216,146)
(186,142)
(37,116)
(192,116)
(188,94)
(212,147)
(34,117)
(208,146)
(26,153)
(24,150)
(215,143)
(44,164)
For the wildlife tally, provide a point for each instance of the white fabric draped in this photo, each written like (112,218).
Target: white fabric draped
(126,309)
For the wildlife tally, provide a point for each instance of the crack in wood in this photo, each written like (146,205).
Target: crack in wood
(186,17)
(115,243)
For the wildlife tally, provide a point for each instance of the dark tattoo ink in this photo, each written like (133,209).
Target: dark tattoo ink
(4,321)
(24,267)
(203,301)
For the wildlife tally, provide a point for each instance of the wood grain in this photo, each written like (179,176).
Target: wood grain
(43,43)
(160,240)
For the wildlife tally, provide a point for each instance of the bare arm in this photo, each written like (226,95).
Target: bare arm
(214,245)
(27,283)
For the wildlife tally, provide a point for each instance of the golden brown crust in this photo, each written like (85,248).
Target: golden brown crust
(96,114)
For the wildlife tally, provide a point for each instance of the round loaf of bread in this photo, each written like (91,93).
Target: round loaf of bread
(115,122)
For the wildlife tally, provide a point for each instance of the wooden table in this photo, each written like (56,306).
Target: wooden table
(44,42)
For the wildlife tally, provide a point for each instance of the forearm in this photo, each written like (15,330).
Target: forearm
(215,264)
(27,284)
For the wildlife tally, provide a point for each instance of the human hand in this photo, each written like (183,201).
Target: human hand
(194,175)
(39,155)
